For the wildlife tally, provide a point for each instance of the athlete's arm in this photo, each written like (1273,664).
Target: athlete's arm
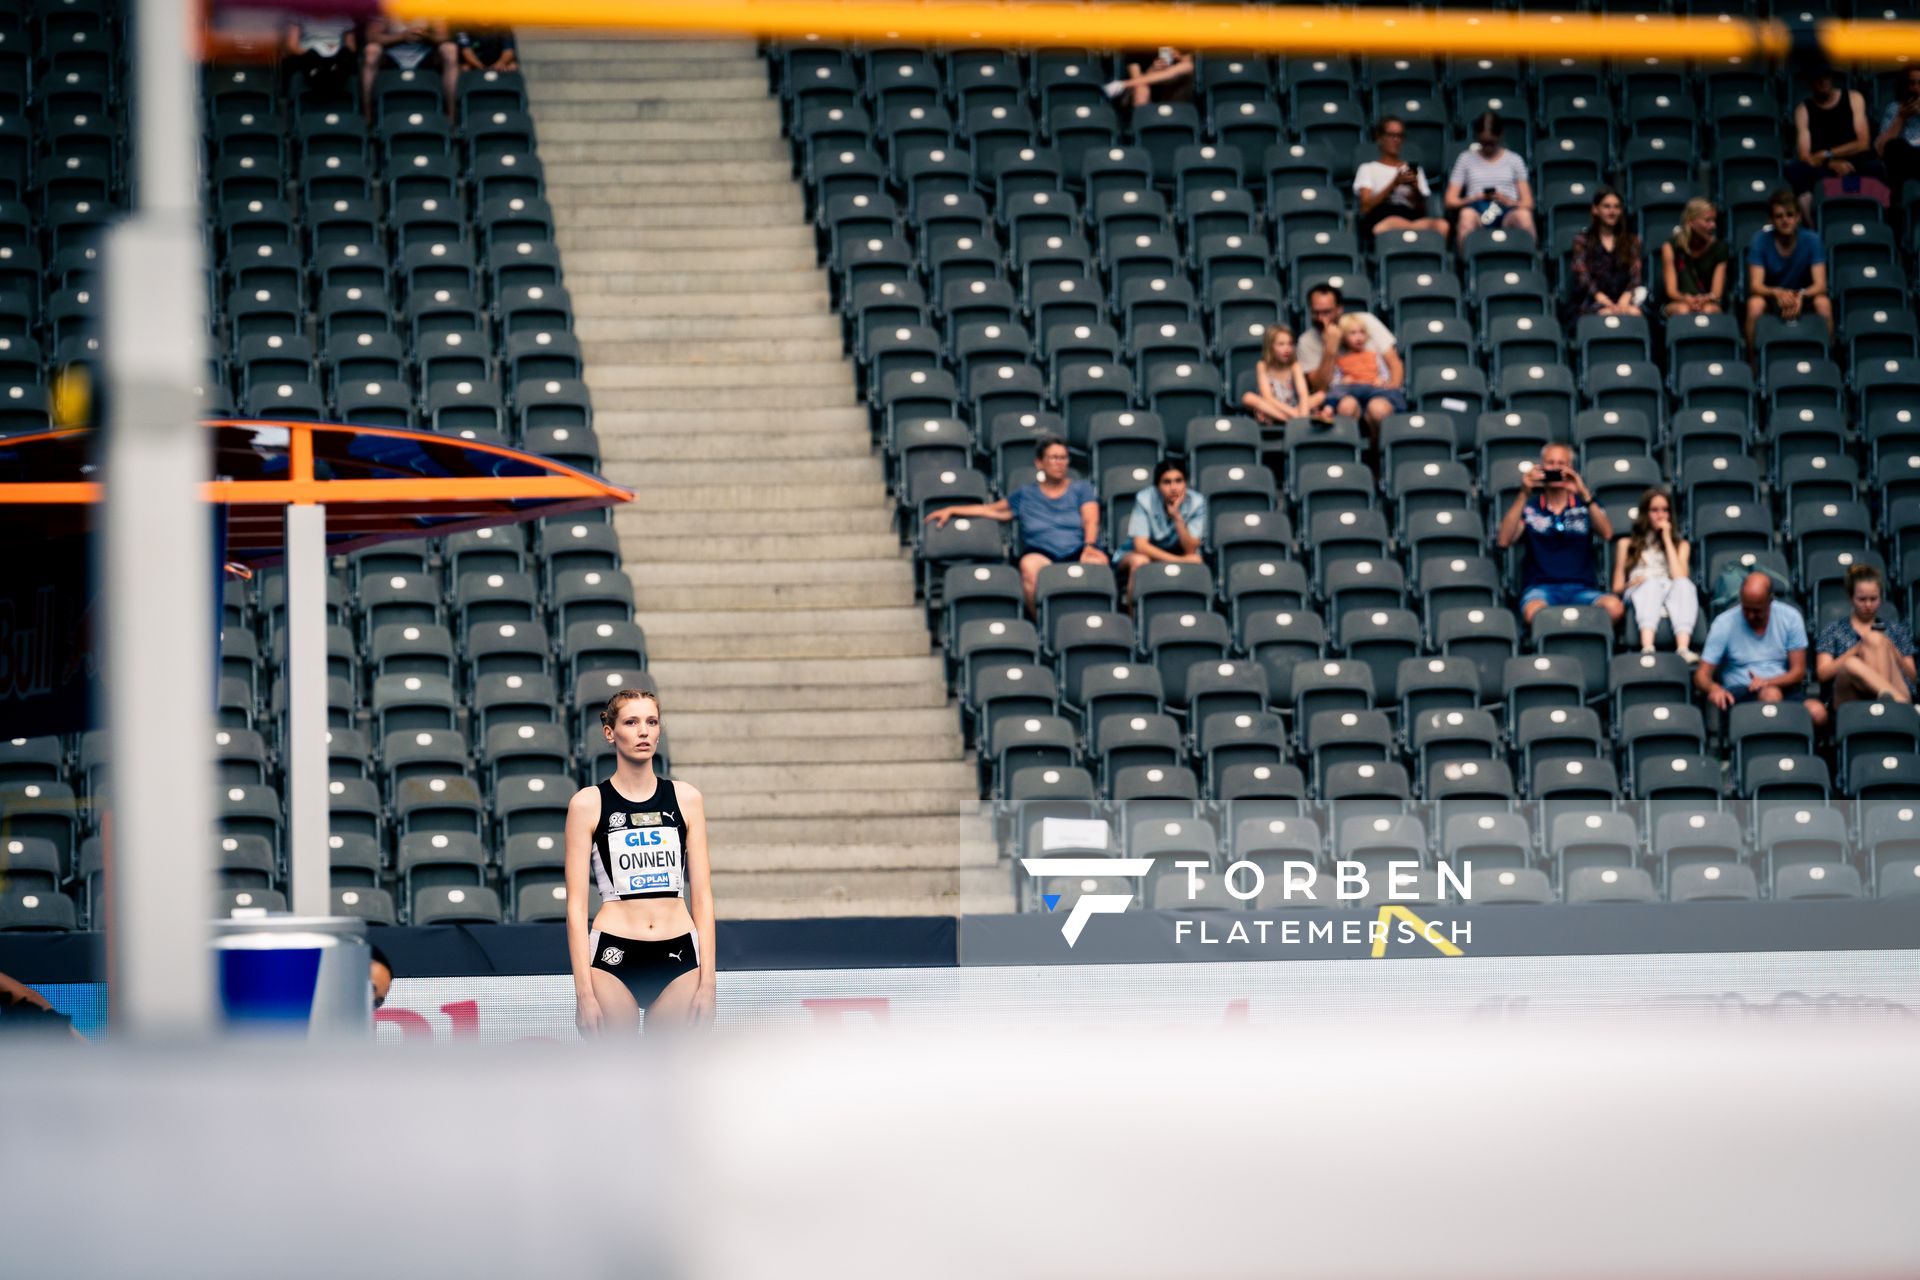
(583,814)
(693,808)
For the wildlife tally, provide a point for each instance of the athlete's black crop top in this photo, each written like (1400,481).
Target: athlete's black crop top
(640,847)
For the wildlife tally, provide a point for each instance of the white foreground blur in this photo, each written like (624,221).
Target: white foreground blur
(1326,1150)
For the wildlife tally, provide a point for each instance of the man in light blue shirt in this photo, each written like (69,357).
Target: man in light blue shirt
(1168,522)
(1759,651)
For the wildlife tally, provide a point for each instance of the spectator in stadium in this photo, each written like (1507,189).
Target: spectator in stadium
(1756,652)
(1830,137)
(380,971)
(1693,263)
(409,46)
(323,51)
(1555,513)
(1786,269)
(1365,379)
(1899,140)
(1603,267)
(488,49)
(1321,345)
(1393,194)
(1650,573)
(1059,516)
(1489,185)
(1864,656)
(1168,524)
(1280,391)
(1166,75)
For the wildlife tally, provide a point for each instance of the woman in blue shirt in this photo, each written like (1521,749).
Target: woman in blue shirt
(1059,516)
(1863,655)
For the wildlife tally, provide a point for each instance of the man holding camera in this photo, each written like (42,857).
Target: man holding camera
(1392,193)
(1556,514)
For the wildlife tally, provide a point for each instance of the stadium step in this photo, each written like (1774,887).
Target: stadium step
(670,572)
(719,445)
(804,595)
(702,329)
(741,395)
(695,622)
(772,468)
(784,259)
(797,895)
(643,306)
(803,693)
(819,521)
(615,166)
(789,676)
(626,48)
(651,425)
(640,83)
(748,699)
(673,109)
(775,379)
(742,803)
(850,645)
(611,213)
(673,239)
(856,857)
(699,131)
(593,150)
(632,193)
(883,750)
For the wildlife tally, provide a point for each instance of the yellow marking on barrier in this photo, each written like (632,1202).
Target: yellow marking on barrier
(1390,913)
(1288,29)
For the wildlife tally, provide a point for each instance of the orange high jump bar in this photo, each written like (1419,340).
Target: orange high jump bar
(1287,29)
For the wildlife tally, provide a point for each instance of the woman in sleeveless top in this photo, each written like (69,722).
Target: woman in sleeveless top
(643,840)
(1693,263)
(1650,568)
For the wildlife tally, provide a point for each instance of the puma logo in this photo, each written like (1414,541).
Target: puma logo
(676,954)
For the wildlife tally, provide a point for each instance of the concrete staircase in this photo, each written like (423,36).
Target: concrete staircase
(801,691)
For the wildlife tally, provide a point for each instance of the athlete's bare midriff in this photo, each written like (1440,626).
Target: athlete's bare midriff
(644,919)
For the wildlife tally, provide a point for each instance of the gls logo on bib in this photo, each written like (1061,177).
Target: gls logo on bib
(649,860)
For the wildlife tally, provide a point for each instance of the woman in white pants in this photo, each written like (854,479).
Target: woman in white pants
(1650,569)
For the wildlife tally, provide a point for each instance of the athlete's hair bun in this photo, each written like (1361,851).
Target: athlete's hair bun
(611,716)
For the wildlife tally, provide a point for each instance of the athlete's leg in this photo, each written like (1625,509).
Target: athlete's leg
(674,1008)
(619,1015)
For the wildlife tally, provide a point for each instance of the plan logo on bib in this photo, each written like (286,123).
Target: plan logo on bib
(1090,871)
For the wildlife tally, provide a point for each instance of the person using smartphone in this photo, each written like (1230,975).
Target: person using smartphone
(1392,193)
(1558,519)
(1489,185)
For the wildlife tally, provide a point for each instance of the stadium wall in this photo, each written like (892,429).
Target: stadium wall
(1739,961)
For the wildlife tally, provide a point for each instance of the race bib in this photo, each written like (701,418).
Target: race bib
(648,860)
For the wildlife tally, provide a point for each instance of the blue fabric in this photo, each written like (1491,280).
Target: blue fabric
(1052,525)
(1149,519)
(1740,655)
(1558,595)
(1793,271)
(1559,547)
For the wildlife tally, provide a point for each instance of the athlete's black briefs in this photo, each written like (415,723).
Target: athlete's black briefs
(640,846)
(645,967)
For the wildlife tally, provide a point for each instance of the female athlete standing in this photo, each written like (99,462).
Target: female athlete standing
(643,838)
